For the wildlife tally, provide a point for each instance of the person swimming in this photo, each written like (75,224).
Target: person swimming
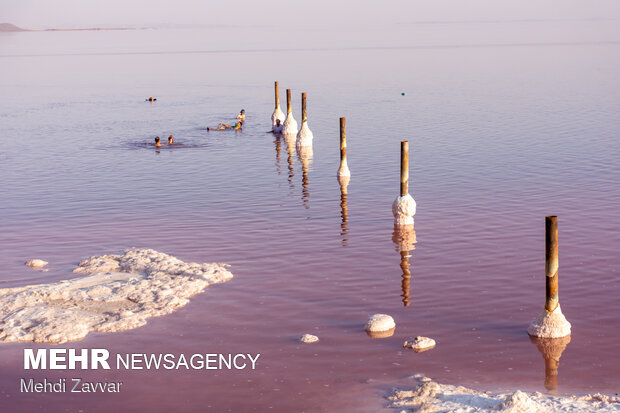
(151,99)
(241,115)
(223,126)
(277,128)
(170,140)
(157,142)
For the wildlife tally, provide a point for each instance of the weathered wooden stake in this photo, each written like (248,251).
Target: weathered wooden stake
(288,100)
(343,140)
(404,168)
(277,87)
(551,263)
(304,118)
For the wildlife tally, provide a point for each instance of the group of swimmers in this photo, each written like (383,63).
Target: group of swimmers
(158,143)
(220,126)
(235,126)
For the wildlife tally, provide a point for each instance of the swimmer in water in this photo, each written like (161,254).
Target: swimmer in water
(241,115)
(151,99)
(223,126)
(277,128)
(157,142)
(170,140)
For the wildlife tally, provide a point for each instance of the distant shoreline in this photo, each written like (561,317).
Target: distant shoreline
(8,27)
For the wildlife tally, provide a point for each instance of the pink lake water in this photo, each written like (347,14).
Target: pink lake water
(502,133)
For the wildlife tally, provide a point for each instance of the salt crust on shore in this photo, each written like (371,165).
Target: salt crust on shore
(121,293)
(430,396)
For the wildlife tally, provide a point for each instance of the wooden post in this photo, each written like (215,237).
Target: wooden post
(303,108)
(343,140)
(277,87)
(288,100)
(404,168)
(551,263)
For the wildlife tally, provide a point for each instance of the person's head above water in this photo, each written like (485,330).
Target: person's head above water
(157,142)
(278,122)
(242,111)
(170,139)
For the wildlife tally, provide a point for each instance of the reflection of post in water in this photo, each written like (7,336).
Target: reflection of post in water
(278,141)
(344,225)
(404,239)
(290,148)
(305,156)
(551,350)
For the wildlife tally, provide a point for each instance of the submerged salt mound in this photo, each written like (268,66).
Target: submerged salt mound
(36,264)
(430,396)
(121,293)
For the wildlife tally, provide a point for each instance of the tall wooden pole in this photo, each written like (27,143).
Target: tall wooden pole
(288,100)
(343,140)
(551,263)
(404,168)
(277,88)
(304,118)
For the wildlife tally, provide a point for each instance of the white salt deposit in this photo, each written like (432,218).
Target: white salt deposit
(550,325)
(403,209)
(121,293)
(308,338)
(290,125)
(419,344)
(304,137)
(277,114)
(36,264)
(429,396)
(380,322)
(344,169)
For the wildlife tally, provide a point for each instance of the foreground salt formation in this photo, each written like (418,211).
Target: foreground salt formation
(121,293)
(419,344)
(380,326)
(429,396)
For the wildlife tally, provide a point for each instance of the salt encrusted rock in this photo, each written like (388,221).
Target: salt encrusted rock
(121,293)
(550,325)
(379,323)
(308,338)
(419,344)
(404,208)
(36,264)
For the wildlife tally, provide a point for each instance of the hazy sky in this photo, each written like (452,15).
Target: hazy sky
(65,13)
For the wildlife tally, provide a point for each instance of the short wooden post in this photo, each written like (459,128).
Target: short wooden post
(277,89)
(288,100)
(304,118)
(551,263)
(404,168)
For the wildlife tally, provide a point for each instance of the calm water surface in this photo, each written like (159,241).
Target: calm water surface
(502,133)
